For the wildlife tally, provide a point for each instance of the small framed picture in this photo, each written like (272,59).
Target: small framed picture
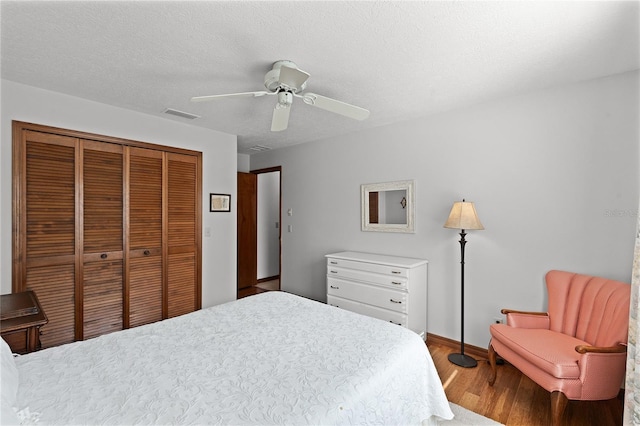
(220,203)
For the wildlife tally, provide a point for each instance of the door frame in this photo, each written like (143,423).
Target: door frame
(270,170)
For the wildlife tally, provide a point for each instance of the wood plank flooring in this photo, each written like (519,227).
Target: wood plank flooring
(514,399)
(271,285)
(249,291)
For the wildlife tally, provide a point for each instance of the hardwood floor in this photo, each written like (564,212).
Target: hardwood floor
(249,291)
(271,285)
(514,399)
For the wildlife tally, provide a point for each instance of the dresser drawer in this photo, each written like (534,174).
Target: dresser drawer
(370,311)
(368,267)
(386,298)
(369,277)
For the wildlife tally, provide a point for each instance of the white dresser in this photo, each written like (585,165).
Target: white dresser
(390,288)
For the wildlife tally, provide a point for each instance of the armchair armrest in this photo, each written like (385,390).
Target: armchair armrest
(511,311)
(583,349)
(523,319)
(609,359)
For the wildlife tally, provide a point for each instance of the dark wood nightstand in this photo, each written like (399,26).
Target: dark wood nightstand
(21,317)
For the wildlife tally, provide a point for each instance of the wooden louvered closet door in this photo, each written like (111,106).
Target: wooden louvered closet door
(107,232)
(144,229)
(102,238)
(183,234)
(46,220)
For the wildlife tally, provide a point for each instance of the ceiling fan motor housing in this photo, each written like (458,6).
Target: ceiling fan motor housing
(272,78)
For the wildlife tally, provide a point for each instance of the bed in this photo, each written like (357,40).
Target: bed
(272,358)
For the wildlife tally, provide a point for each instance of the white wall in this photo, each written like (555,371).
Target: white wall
(244,163)
(268,217)
(219,160)
(554,175)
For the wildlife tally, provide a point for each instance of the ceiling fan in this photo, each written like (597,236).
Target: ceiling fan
(287,81)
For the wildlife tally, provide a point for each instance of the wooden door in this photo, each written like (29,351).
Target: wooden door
(45,216)
(143,229)
(247,230)
(102,237)
(184,235)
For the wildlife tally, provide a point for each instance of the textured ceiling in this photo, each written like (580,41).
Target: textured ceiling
(401,60)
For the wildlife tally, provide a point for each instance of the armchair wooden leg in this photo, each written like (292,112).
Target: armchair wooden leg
(558,404)
(492,363)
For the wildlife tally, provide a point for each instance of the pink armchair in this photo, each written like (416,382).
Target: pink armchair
(575,351)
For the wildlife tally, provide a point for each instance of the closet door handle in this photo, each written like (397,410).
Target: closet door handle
(103,256)
(147,252)
(395,301)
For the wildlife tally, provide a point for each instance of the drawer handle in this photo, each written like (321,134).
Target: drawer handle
(396,283)
(147,252)
(393,322)
(395,301)
(396,272)
(333,272)
(103,256)
(333,262)
(335,287)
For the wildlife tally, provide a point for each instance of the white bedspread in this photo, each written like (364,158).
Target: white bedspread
(273,358)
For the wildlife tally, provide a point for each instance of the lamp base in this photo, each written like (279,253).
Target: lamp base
(463,360)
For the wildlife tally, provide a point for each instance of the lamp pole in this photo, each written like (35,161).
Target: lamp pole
(461,359)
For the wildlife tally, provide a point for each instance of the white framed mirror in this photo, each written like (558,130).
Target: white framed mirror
(388,206)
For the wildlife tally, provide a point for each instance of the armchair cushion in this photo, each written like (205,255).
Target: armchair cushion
(552,352)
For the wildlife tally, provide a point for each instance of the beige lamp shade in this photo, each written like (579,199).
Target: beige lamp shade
(463,216)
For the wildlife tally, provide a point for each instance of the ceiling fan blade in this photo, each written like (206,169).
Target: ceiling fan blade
(230,95)
(292,77)
(280,119)
(335,106)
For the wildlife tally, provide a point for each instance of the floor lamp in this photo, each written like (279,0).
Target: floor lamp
(463,216)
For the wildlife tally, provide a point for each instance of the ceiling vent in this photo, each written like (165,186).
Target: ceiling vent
(259,148)
(182,114)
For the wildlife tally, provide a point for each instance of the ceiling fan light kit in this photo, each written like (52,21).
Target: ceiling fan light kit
(286,80)
(285,99)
